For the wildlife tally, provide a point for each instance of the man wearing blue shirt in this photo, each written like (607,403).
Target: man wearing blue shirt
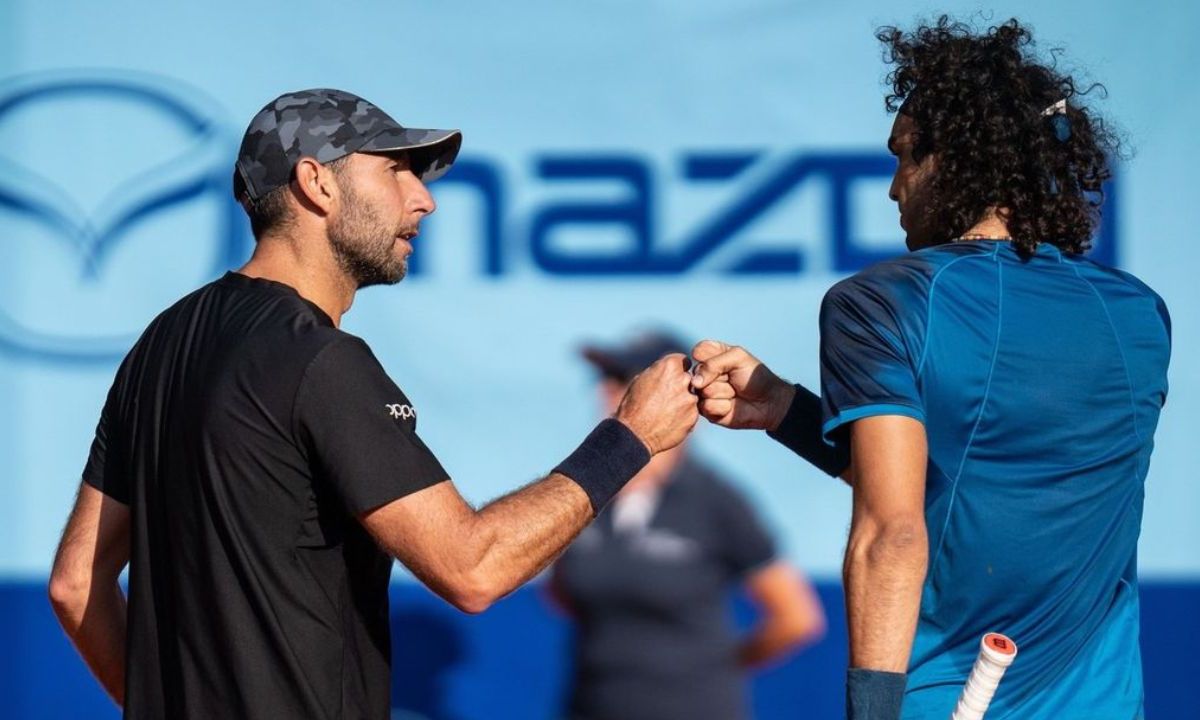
(993,395)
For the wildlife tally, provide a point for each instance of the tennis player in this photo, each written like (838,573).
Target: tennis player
(258,470)
(997,393)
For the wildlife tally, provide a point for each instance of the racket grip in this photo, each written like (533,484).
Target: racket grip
(996,653)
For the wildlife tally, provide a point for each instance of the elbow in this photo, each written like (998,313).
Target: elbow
(810,631)
(68,594)
(472,594)
(470,603)
(899,540)
(804,631)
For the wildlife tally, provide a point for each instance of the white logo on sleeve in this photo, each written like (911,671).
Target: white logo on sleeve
(402,412)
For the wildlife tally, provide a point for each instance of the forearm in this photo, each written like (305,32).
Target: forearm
(884,571)
(514,538)
(95,622)
(83,585)
(790,614)
(471,558)
(773,639)
(885,561)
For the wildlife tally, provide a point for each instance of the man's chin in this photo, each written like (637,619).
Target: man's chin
(390,275)
(396,273)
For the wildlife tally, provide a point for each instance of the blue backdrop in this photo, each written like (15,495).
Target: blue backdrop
(709,166)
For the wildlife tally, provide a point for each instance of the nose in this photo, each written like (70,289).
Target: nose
(420,199)
(894,188)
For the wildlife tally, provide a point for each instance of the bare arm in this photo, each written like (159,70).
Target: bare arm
(887,554)
(83,585)
(791,614)
(472,558)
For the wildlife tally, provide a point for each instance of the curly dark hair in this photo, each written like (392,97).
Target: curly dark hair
(979,102)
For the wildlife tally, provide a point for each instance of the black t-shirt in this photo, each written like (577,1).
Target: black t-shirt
(246,433)
(654,637)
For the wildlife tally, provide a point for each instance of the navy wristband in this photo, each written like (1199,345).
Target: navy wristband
(607,458)
(874,694)
(800,432)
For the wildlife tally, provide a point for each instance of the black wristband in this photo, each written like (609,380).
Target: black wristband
(606,459)
(800,432)
(874,694)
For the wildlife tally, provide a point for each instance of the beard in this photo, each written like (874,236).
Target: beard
(920,232)
(363,243)
(921,222)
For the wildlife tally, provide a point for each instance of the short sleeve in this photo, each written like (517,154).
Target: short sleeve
(104,469)
(1165,315)
(868,366)
(359,429)
(747,543)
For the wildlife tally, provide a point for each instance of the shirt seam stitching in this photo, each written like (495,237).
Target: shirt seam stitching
(303,379)
(300,526)
(929,305)
(1137,433)
(987,393)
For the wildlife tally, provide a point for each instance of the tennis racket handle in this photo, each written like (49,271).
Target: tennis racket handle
(996,653)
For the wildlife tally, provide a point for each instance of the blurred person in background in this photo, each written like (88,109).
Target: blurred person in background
(648,585)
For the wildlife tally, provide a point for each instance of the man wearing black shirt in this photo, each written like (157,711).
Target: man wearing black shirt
(257,469)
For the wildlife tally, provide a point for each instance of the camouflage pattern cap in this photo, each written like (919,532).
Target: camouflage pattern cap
(325,125)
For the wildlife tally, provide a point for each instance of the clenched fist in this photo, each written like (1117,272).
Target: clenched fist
(658,405)
(736,390)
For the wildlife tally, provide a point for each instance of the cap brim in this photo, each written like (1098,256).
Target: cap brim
(432,151)
(609,363)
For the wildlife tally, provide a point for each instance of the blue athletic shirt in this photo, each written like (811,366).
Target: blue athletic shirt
(1039,382)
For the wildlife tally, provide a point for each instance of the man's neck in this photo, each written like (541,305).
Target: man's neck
(307,267)
(991,227)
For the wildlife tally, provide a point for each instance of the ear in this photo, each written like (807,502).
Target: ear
(315,185)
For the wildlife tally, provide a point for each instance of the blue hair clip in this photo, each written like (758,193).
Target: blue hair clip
(1059,120)
(1062,127)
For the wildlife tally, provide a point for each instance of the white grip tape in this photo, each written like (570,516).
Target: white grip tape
(985,677)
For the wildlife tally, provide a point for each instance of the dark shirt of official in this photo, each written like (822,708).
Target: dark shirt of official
(654,632)
(245,433)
